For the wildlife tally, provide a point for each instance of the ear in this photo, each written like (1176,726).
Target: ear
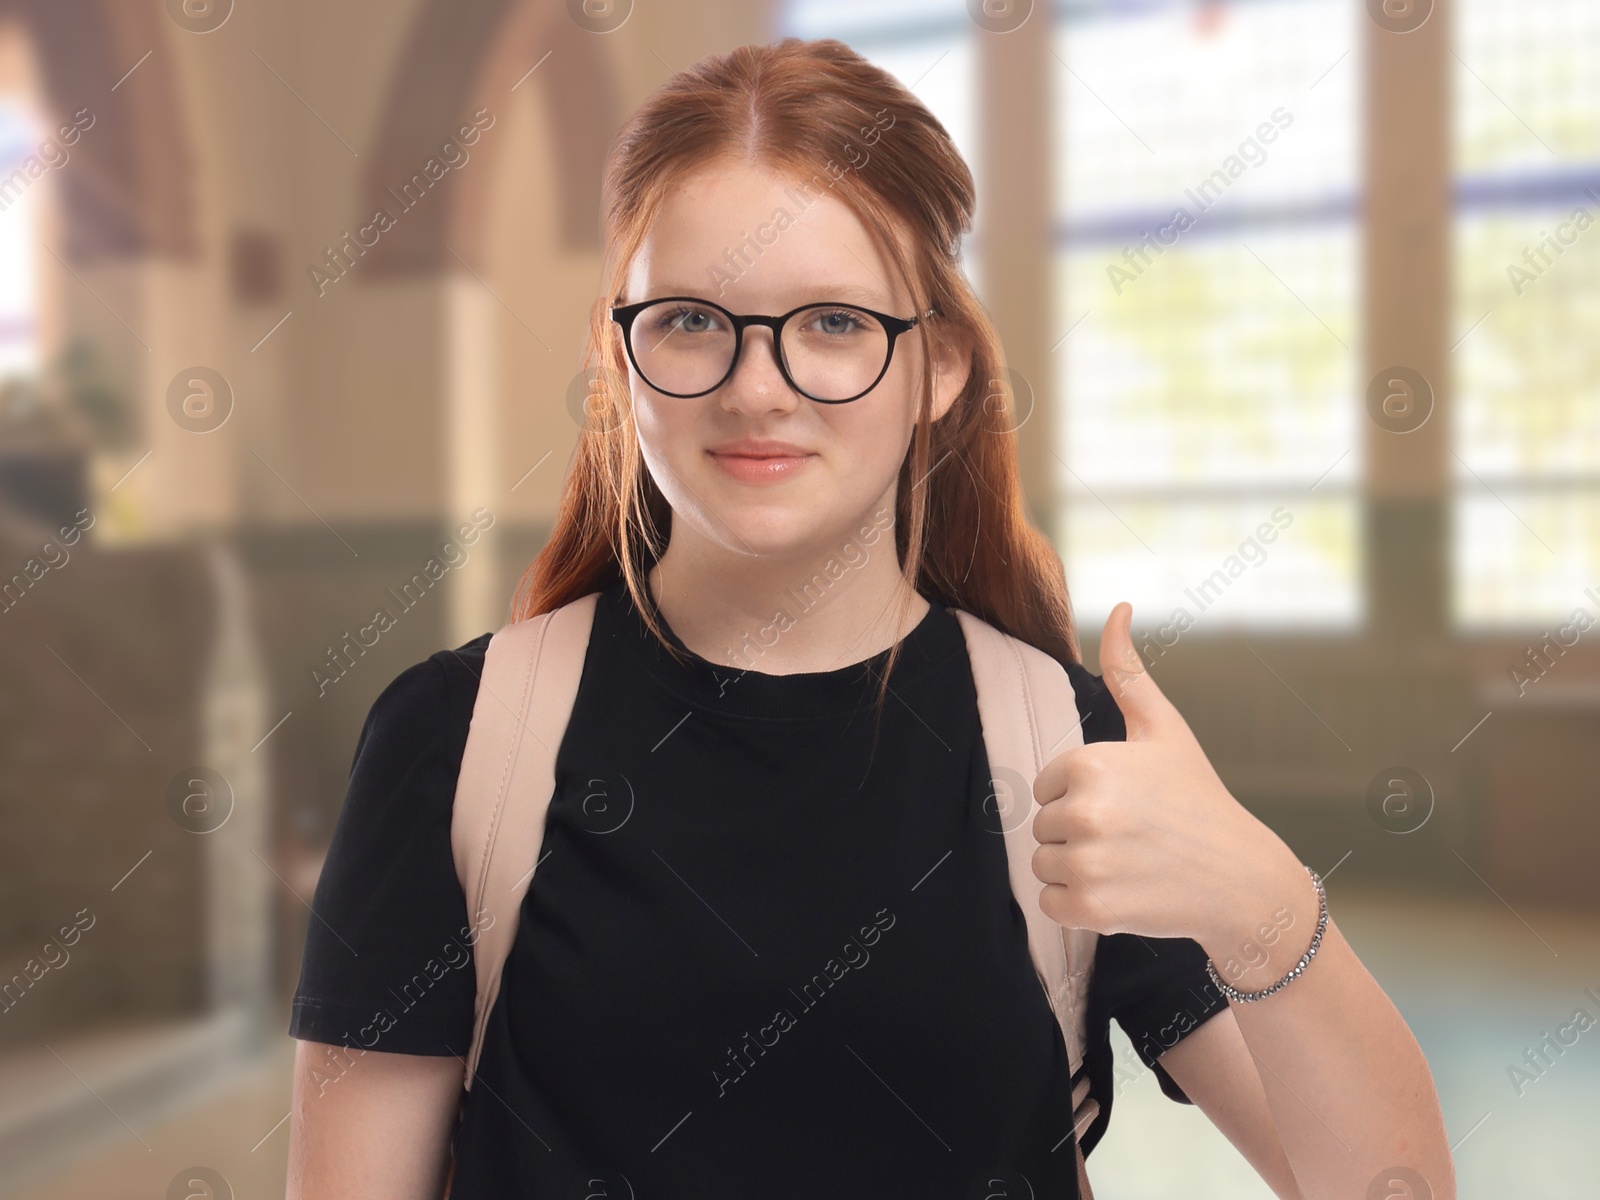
(952,363)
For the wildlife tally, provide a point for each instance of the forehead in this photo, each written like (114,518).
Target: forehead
(755,240)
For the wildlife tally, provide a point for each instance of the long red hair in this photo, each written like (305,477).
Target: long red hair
(961,527)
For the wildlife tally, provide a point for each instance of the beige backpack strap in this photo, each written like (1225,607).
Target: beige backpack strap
(530,679)
(1029,714)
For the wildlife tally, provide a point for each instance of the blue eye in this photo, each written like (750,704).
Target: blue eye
(685,318)
(839,320)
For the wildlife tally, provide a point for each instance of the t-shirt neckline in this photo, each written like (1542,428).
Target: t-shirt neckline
(754,693)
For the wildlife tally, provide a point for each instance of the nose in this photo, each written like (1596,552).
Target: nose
(756,383)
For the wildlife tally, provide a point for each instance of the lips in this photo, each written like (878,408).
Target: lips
(755,462)
(754,448)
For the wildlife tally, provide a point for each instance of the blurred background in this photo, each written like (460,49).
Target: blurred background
(1299,300)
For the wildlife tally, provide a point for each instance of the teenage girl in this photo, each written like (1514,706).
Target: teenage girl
(770,949)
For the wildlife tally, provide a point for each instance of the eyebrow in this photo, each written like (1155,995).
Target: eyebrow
(814,294)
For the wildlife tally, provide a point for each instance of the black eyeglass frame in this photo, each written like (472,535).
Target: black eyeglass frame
(624,314)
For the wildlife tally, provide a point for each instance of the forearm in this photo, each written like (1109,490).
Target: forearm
(1349,1088)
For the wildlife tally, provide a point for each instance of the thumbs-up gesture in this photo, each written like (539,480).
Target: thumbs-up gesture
(1141,836)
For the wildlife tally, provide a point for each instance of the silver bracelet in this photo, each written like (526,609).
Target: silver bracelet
(1316,940)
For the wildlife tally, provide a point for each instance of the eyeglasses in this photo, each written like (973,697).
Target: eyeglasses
(833,353)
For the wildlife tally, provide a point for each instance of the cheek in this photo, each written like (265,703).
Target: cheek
(894,415)
(875,437)
(868,445)
(669,443)
(665,428)
(906,381)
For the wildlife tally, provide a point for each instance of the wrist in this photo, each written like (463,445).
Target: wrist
(1265,929)
(1246,996)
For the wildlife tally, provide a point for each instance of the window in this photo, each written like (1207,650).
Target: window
(1209,447)
(19,138)
(1526,433)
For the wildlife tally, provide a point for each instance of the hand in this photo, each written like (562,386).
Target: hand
(1141,836)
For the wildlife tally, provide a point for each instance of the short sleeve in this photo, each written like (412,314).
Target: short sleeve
(1157,989)
(387,963)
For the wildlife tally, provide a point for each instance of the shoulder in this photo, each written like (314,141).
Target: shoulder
(428,703)
(407,762)
(388,894)
(1097,709)
(1102,719)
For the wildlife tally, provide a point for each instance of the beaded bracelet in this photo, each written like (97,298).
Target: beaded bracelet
(1316,940)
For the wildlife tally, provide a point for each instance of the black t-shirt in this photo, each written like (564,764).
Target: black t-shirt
(759,956)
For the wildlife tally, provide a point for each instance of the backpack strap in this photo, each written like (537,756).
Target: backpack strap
(530,680)
(1029,713)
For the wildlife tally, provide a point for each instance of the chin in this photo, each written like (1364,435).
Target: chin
(758,522)
(770,531)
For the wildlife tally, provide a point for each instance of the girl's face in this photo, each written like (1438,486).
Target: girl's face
(755,242)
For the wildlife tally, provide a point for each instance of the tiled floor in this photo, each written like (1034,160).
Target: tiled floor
(1479,984)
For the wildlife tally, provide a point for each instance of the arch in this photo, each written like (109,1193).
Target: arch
(129,188)
(465,54)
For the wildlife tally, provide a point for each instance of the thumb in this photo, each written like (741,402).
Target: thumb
(1145,710)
